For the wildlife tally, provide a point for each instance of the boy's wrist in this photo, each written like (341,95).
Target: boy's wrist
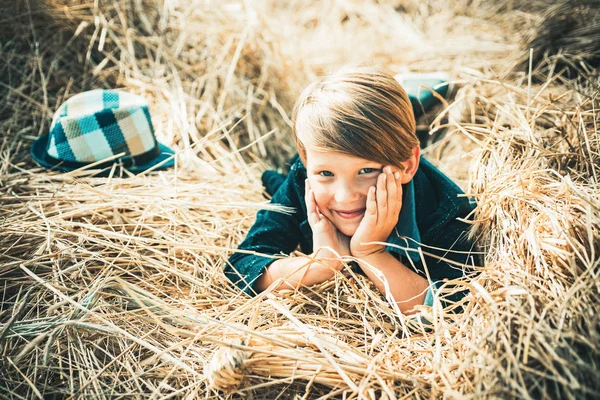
(375,259)
(369,253)
(327,259)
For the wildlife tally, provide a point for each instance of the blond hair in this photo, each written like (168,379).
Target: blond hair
(361,112)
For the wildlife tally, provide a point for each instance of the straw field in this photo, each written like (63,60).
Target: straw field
(113,287)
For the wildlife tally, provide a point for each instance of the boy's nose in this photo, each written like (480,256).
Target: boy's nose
(345,194)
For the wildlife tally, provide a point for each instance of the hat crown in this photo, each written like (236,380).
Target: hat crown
(99,124)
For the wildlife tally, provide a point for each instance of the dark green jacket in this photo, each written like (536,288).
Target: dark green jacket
(427,224)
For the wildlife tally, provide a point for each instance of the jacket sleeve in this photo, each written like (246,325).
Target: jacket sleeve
(273,233)
(453,255)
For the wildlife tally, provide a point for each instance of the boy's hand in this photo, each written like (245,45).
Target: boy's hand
(325,234)
(381,216)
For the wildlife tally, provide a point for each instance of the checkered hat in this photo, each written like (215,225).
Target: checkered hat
(95,125)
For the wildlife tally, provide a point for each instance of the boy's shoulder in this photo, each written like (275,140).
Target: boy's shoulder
(296,164)
(273,180)
(438,178)
(438,198)
(297,170)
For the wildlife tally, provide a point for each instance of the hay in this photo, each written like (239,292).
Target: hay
(566,31)
(114,286)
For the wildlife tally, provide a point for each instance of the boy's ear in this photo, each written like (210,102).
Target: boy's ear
(410,166)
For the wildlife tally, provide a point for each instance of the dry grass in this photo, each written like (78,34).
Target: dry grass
(114,286)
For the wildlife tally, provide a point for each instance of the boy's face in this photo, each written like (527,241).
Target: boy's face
(340,184)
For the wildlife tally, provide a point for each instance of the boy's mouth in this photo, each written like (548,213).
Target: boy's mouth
(350,214)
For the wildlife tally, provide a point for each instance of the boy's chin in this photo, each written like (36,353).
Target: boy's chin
(348,230)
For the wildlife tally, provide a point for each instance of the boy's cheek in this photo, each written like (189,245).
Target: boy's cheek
(322,206)
(320,195)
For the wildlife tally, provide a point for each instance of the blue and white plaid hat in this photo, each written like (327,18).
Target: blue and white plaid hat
(93,126)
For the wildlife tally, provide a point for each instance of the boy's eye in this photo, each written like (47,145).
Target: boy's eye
(326,173)
(368,170)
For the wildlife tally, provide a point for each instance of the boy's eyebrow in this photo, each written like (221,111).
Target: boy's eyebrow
(370,164)
(321,166)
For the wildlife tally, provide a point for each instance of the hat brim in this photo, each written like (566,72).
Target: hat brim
(417,85)
(39,154)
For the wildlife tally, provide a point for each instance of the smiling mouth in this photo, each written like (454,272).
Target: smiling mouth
(350,214)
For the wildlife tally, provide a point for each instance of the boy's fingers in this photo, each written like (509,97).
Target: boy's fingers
(398,185)
(315,208)
(317,211)
(311,205)
(307,199)
(391,192)
(399,191)
(381,196)
(395,189)
(371,212)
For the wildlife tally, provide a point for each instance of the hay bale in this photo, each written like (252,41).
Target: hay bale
(565,38)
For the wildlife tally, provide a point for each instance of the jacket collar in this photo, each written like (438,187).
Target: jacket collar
(438,200)
(406,235)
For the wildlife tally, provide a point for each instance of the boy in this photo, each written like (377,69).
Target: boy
(359,182)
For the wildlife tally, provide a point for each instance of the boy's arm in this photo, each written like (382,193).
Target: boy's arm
(253,272)
(316,268)
(383,206)
(297,271)
(407,288)
(255,265)
(273,233)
